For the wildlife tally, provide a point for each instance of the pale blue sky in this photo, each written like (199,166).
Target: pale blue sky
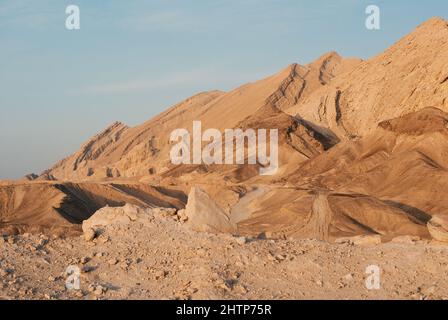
(132,59)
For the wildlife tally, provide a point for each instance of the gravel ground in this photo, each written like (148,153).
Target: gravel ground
(157,257)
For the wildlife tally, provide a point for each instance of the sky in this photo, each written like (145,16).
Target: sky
(132,59)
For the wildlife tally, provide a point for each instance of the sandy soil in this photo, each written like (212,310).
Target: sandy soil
(157,257)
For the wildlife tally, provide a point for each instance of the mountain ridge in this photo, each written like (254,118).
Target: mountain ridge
(362,149)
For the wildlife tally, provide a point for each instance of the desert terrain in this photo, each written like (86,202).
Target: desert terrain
(157,257)
(363,166)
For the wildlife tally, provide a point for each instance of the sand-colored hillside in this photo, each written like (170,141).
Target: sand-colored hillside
(59,208)
(120,151)
(363,170)
(409,76)
(362,151)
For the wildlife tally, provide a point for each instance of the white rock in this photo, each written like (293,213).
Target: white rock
(205,215)
(241,240)
(89,234)
(99,290)
(113,216)
(182,215)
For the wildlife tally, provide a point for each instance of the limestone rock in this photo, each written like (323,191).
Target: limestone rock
(182,215)
(117,216)
(241,240)
(89,234)
(205,215)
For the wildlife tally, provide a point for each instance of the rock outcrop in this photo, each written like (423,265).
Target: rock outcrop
(205,215)
(112,216)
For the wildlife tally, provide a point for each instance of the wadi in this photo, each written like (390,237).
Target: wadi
(356,178)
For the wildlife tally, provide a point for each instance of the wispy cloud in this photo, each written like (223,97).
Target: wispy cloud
(147,84)
(203,78)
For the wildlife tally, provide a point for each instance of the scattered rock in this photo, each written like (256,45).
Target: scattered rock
(182,215)
(221,284)
(241,240)
(160,274)
(99,290)
(240,289)
(89,234)
(84,260)
(270,257)
(41,243)
(280,257)
(164,212)
(87,269)
(265,235)
(96,289)
(428,291)
(348,277)
(103,238)
(125,264)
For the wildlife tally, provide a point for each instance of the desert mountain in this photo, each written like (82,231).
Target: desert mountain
(362,151)
(347,96)
(120,151)
(409,76)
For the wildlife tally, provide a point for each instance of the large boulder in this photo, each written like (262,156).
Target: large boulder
(438,228)
(205,215)
(109,216)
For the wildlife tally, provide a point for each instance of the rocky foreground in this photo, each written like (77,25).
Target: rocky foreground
(135,253)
